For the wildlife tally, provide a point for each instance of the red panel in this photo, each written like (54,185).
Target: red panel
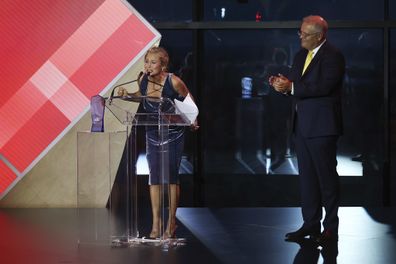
(75,104)
(35,136)
(112,57)
(7,176)
(18,110)
(54,56)
(90,36)
(31,32)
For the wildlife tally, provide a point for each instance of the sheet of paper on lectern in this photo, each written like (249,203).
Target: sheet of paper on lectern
(188,108)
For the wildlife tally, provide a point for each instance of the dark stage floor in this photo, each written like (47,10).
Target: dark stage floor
(229,235)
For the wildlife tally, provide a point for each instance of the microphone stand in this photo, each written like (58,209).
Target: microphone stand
(140,75)
(112,91)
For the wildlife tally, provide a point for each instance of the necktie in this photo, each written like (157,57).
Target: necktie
(307,60)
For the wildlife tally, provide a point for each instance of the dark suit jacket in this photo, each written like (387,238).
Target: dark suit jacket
(317,93)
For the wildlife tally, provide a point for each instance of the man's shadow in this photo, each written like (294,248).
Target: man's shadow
(310,251)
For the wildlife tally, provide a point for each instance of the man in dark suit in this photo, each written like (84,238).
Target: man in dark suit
(315,83)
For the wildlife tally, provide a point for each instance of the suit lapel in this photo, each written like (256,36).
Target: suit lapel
(314,60)
(301,62)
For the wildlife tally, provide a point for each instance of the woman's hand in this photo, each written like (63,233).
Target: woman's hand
(194,126)
(122,92)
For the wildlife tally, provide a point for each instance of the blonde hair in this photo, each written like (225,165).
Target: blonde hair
(163,56)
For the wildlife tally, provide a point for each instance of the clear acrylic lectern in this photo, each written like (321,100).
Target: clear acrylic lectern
(98,158)
(124,220)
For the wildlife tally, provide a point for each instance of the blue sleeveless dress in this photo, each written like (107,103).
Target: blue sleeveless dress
(170,144)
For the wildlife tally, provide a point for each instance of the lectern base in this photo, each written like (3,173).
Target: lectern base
(164,243)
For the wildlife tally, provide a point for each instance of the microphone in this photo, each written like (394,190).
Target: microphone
(112,92)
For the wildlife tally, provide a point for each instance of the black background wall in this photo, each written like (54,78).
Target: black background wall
(214,44)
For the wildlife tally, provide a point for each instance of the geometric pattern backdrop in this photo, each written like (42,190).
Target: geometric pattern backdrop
(54,56)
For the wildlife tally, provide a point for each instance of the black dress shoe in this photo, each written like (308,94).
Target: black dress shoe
(358,157)
(302,233)
(327,237)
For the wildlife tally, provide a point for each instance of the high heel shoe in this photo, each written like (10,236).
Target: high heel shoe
(155,231)
(154,234)
(170,233)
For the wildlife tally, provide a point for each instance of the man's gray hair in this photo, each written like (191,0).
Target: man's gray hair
(318,22)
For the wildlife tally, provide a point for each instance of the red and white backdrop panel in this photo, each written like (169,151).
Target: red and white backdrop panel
(55,55)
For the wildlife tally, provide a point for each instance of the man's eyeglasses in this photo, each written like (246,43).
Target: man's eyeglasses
(302,34)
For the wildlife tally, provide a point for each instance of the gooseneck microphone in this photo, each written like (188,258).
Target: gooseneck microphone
(115,87)
(138,78)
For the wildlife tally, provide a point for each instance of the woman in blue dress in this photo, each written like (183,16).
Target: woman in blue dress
(157,82)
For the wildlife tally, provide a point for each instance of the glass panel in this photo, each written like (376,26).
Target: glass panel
(269,10)
(248,132)
(393,114)
(238,127)
(363,100)
(392,9)
(161,11)
(178,43)
(98,157)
